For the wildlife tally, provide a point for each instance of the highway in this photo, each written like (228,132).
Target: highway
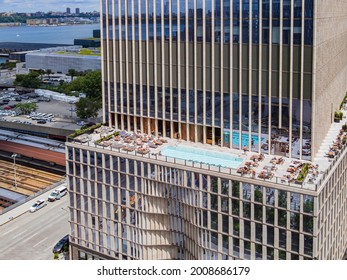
(32,236)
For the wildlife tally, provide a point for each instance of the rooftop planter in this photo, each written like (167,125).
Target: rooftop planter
(303,173)
(87,130)
(338,116)
(343,101)
(108,137)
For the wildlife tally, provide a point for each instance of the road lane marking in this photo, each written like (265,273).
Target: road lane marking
(4,233)
(13,237)
(31,236)
(40,242)
(57,204)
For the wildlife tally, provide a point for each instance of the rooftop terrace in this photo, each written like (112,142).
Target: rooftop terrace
(260,167)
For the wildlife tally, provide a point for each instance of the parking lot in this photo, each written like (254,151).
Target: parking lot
(63,113)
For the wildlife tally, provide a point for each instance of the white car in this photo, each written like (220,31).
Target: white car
(37,205)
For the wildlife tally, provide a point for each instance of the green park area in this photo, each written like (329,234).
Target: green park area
(88,52)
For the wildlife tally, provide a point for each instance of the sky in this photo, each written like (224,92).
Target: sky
(28,6)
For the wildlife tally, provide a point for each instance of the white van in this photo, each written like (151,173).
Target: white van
(57,193)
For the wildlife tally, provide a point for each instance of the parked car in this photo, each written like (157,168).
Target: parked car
(81,123)
(33,95)
(44,99)
(37,205)
(59,247)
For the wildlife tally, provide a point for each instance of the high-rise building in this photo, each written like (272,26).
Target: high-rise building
(68,10)
(77,11)
(245,94)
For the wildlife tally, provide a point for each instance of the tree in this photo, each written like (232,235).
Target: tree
(30,80)
(49,72)
(72,73)
(75,85)
(92,85)
(27,108)
(87,108)
(41,72)
(8,65)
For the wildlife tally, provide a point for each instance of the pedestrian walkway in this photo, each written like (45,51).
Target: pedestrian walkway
(22,208)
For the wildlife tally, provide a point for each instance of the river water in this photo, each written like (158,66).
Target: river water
(47,34)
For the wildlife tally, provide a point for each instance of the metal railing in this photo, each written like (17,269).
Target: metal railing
(218,168)
(333,161)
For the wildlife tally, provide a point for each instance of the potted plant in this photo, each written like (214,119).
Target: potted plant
(66,251)
(338,116)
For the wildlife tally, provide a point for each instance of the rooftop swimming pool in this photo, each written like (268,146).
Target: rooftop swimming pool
(244,139)
(202,155)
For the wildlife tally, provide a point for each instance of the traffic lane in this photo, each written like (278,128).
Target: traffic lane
(33,235)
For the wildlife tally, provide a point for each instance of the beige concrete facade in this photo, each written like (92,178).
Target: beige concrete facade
(207,89)
(330,65)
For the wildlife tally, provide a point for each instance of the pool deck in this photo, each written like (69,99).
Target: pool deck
(187,152)
(284,172)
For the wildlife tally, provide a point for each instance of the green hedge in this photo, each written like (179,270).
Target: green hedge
(108,137)
(338,115)
(79,132)
(303,173)
(343,101)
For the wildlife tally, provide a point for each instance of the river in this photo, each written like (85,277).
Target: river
(47,34)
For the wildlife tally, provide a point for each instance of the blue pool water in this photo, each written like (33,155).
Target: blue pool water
(245,139)
(202,155)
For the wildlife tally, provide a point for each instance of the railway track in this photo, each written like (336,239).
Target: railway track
(28,180)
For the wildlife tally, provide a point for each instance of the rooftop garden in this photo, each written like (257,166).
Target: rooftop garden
(81,131)
(88,52)
(108,137)
(303,173)
(90,38)
(343,104)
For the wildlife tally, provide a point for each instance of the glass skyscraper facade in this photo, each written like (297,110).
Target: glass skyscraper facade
(226,76)
(213,71)
(167,19)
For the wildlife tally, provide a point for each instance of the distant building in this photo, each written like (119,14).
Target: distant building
(93,42)
(43,21)
(17,51)
(61,59)
(96,33)
(77,11)
(68,10)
